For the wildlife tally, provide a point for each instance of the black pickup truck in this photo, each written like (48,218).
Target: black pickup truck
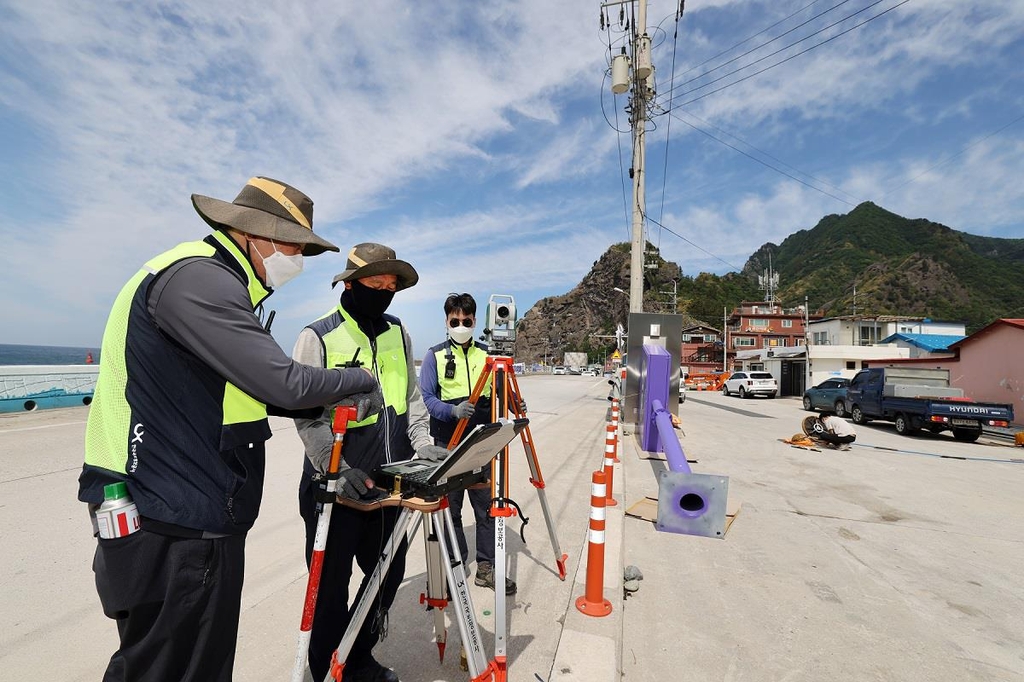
(920,398)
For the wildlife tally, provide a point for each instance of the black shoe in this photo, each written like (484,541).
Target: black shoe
(370,671)
(485,578)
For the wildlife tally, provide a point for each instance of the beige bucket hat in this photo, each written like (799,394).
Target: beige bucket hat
(267,208)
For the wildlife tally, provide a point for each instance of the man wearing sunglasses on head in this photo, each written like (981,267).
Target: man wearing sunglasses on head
(447,376)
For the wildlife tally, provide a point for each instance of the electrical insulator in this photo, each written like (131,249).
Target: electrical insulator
(643,57)
(620,74)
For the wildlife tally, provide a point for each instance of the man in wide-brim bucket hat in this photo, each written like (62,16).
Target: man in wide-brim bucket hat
(179,421)
(369,259)
(267,208)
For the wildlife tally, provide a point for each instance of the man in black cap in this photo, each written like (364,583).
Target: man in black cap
(179,416)
(359,329)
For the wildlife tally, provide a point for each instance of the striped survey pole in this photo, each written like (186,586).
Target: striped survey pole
(593,603)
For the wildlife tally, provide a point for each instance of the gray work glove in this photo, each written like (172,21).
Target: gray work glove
(464,410)
(522,406)
(356,484)
(367,404)
(432,453)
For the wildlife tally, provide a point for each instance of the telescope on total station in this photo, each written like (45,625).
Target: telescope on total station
(500,332)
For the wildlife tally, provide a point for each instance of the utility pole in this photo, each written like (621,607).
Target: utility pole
(642,70)
(725,338)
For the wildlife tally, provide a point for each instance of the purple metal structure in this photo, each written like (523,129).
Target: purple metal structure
(689,503)
(656,376)
(670,445)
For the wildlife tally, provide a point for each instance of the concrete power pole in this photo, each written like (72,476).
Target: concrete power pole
(725,339)
(642,70)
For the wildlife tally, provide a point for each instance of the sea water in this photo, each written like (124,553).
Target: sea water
(11,354)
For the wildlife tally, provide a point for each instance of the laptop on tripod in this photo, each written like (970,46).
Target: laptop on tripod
(466,465)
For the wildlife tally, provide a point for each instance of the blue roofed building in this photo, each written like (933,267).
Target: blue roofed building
(925,345)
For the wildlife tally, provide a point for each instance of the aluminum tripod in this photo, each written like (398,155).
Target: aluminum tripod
(445,569)
(506,397)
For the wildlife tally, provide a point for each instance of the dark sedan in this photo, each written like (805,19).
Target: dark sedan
(828,395)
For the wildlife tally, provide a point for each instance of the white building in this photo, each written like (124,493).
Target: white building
(865,330)
(841,346)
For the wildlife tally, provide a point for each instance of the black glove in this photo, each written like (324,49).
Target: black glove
(522,406)
(432,453)
(355,484)
(464,410)
(366,404)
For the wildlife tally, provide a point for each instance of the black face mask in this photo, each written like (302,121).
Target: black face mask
(369,303)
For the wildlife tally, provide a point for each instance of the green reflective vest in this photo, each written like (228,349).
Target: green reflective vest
(180,435)
(382,437)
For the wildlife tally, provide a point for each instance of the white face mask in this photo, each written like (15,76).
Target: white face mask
(460,334)
(281,268)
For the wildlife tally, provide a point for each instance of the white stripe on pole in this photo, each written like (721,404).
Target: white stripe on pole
(597,513)
(597,536)
(598,490)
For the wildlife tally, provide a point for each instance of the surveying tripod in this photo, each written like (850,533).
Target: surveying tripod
(445,567)
(505,397)
(446,580)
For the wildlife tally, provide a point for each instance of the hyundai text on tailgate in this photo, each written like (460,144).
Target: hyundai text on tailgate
(920,398)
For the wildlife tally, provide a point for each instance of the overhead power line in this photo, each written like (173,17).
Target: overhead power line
(693,244)
(783,61)
(764,163)
(668,128)
(745,40)
(781,35)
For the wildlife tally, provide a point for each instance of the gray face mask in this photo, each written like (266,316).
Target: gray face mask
(280,268)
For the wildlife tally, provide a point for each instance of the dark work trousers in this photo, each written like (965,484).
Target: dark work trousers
(353,535)
(176,603)
(834,439)
(480,500)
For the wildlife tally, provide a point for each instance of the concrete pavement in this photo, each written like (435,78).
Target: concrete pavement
(879,563)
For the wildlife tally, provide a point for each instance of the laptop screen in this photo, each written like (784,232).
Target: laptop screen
(479,447)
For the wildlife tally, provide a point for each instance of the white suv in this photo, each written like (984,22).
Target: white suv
(558,370)
(747,384)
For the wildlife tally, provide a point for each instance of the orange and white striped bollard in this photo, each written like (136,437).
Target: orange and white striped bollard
(593,603)
(610,444)
(609,462)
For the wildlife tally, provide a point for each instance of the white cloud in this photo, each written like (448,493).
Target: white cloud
(469,136)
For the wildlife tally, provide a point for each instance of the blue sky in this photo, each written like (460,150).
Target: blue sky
(474,138)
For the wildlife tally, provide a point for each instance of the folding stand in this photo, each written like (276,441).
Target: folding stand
(444,568)
(498,371)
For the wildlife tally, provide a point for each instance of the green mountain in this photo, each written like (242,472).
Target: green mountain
(896,265)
